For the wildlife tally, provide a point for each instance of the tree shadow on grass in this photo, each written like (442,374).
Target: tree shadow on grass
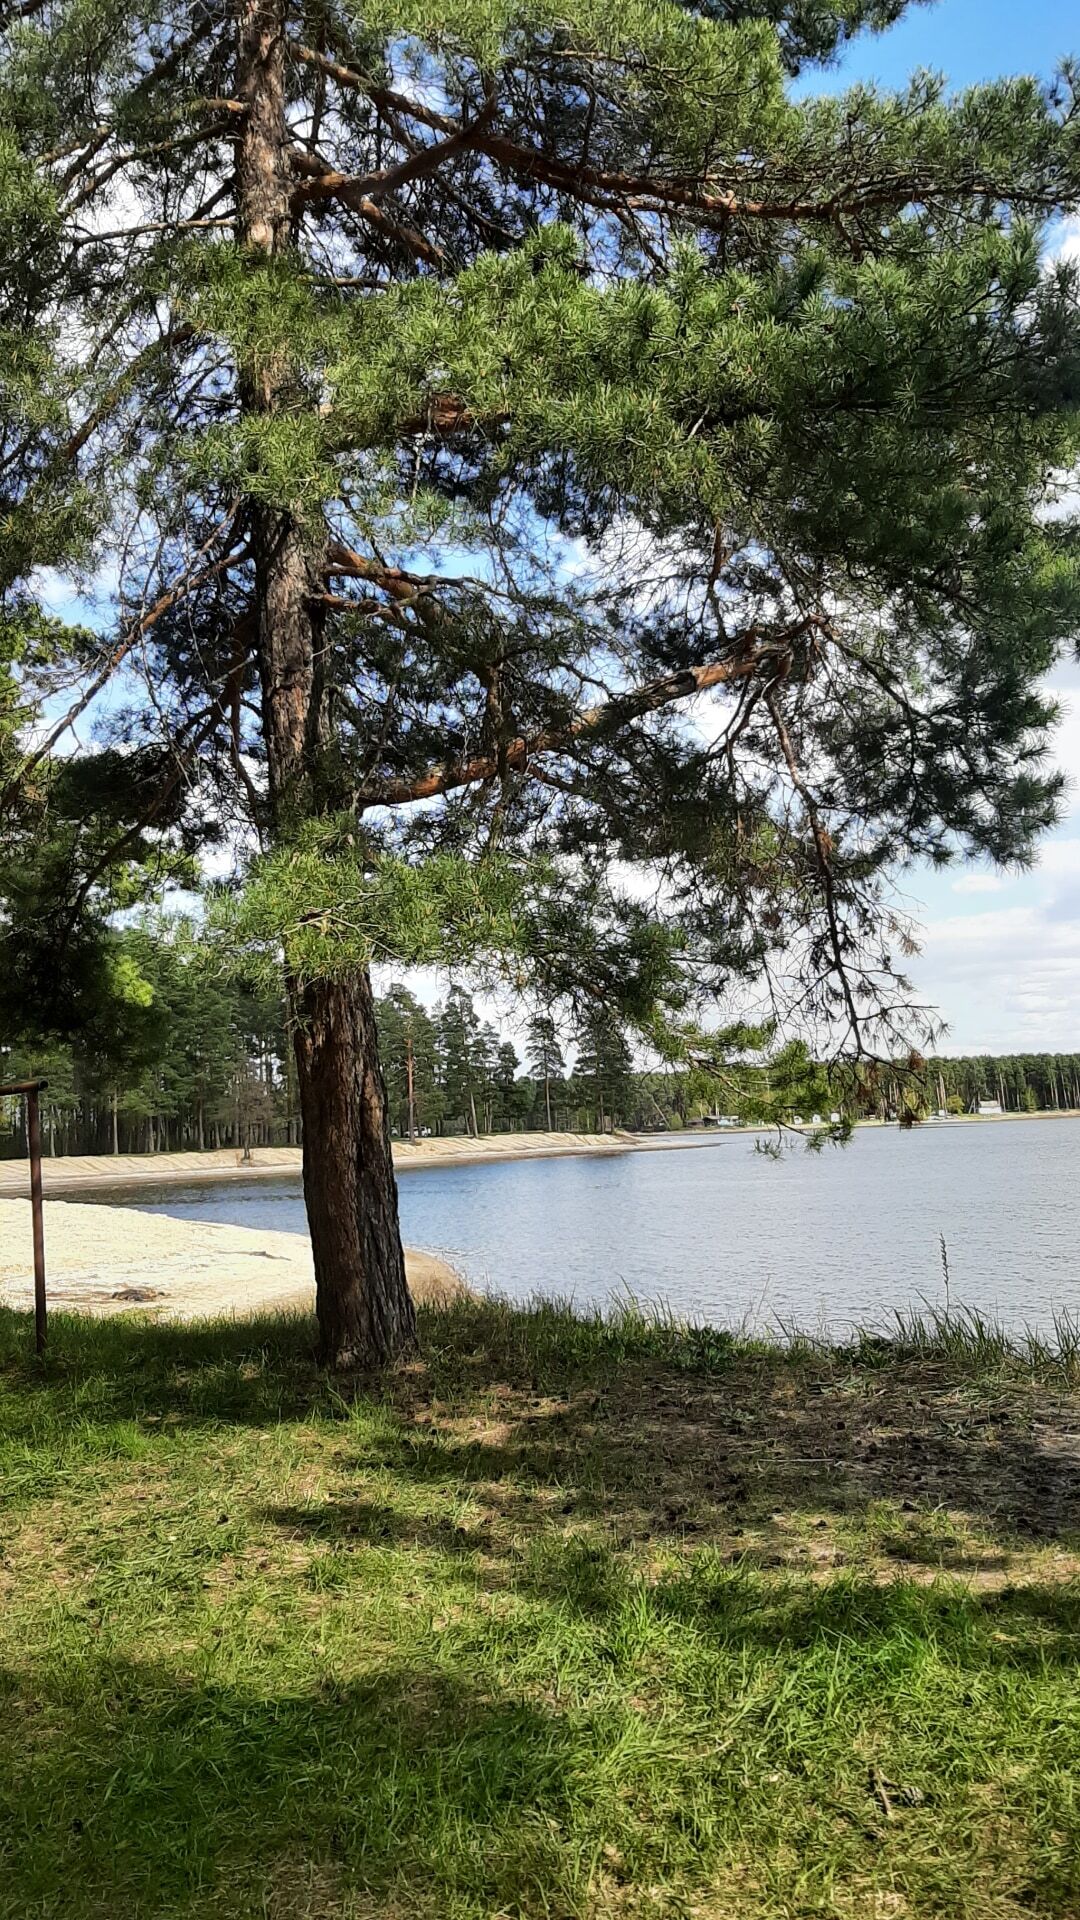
(377,1524)
(144,1789)
(545,1476)
(765,1448)
(251,1372)
(544,1416)
(131,1790)
(1031,1627)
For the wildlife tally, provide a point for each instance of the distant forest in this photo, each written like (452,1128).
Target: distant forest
(198,1061)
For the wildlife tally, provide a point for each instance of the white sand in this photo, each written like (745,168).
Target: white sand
(183,1269)
(71,1171)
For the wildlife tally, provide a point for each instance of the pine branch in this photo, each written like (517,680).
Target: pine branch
(603,718)
(396,581)
(195,577)
(699,195)
(444,417)
(86,147)
(185,756)
(151,226)
(177,143)
(379,96)
(353,188)
(703,198)
(174,337)
(64,456)
(350,191)
(823,852)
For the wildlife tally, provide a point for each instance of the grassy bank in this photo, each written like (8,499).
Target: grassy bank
(566,1619)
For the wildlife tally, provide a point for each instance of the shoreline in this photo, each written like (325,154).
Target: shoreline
(114,1260)
(73,1173)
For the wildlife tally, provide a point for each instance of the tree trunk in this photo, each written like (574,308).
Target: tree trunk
(410,1078)
(364,1309)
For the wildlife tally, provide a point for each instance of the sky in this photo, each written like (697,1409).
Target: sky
(966,40)
(1001,952)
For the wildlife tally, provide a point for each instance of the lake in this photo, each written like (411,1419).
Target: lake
(720,1233)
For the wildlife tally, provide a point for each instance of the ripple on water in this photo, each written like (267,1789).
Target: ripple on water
(720,1233)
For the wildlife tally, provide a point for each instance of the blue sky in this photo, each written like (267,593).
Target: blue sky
(968,40)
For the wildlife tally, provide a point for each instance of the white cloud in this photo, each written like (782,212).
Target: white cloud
(1065,240)
(1007,980)
(1005,975)
(979,882)
(1059,859)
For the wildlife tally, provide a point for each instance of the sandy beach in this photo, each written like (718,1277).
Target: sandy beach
(112,1259)
(72,1173)
(68,1173)
(119,1260)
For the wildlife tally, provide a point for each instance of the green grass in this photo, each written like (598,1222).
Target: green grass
(572,1617)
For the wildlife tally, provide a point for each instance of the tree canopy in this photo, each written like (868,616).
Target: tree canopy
(536,434)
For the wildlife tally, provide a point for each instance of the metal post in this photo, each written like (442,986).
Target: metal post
(33,1132)
(30,1090)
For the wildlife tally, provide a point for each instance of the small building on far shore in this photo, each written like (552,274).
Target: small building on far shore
(987,1109)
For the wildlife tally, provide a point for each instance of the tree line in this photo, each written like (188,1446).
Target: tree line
(183,1057)
(1019,1082)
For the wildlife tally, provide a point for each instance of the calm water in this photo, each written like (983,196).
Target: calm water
(720,1233)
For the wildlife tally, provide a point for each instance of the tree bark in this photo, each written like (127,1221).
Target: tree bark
(362,1299)
(410,1078)
(363,1304)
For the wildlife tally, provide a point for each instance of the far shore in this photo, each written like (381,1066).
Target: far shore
(70,1173)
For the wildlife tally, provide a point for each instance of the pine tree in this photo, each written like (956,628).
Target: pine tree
(465,389)
(603,1065)
(408,1046)
(504,1081)
(545,1056)
(461,1058)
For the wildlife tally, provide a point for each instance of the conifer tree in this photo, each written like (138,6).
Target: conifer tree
(603,1065)
(545,1056)
(470,390)
(407,1044)
(461,1058)
(503,1081)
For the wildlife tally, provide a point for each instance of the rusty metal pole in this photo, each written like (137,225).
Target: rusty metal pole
(33,1141)
(30,1090)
